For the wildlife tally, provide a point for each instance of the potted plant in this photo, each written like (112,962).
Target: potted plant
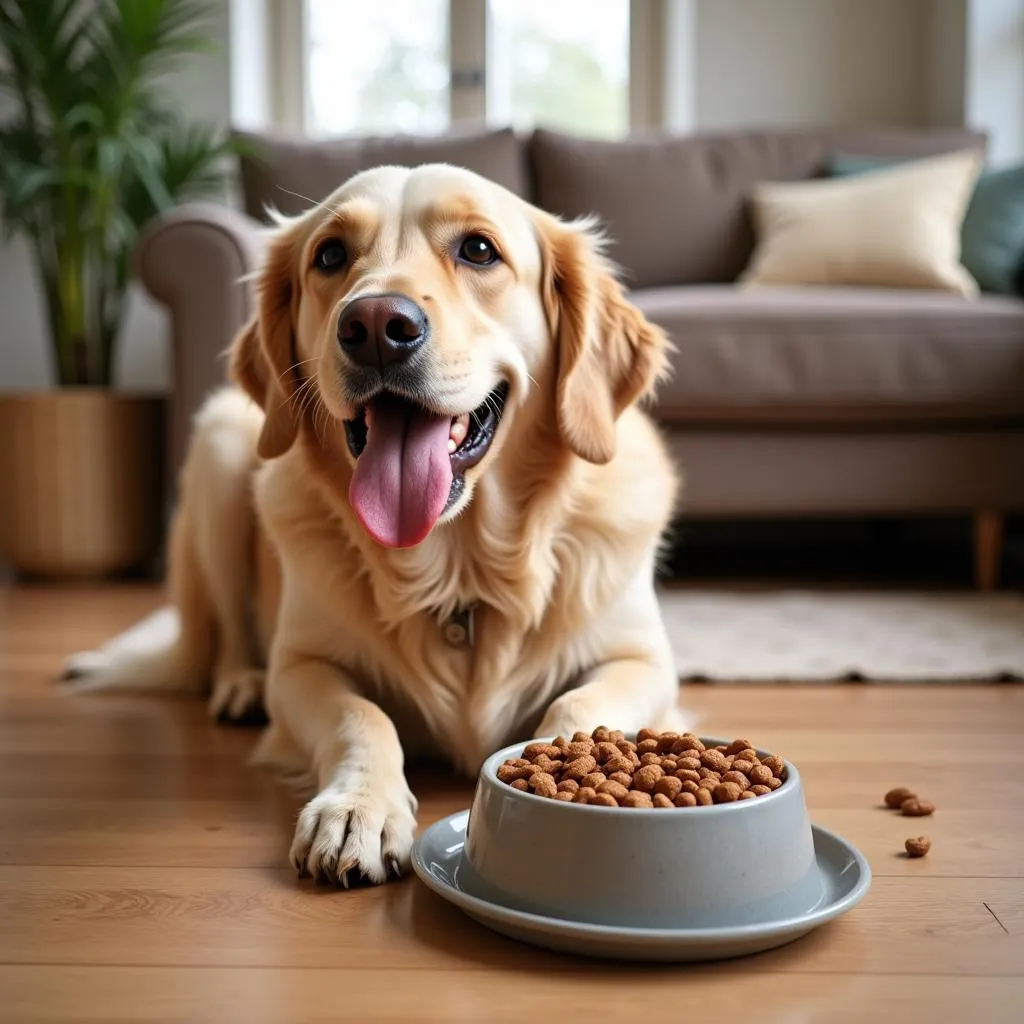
(91,148)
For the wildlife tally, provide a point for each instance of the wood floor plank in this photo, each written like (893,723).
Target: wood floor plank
(142,873)
(48,995)
(233,917)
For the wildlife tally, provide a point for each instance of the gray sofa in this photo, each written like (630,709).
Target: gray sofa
(783,402)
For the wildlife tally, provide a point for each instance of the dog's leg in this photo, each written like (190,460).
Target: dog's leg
(627,694)
(360,824)
(223,521)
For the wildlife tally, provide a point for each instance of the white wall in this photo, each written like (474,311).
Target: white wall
(202,91)
(805,62)
(946,62)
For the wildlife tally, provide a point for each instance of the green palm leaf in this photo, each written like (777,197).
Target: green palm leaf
(90,149)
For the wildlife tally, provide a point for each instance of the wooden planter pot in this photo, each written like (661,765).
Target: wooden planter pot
(81,481)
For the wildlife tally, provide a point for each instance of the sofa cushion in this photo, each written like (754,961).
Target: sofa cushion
(676,208)
(897,227)
(292,173)
(838,356)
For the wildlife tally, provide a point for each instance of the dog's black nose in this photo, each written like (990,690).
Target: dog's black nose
(378,330)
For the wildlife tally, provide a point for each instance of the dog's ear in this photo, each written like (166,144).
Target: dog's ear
(609,355)
(262,359)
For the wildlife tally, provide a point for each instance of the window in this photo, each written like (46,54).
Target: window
(420,66)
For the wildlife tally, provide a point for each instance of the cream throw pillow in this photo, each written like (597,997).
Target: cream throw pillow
(893,228)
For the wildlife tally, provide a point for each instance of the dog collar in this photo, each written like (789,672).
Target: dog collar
(458,630)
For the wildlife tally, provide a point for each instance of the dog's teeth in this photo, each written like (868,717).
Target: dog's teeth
(459,431)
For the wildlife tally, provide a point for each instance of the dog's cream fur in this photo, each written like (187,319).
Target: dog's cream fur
(554,540)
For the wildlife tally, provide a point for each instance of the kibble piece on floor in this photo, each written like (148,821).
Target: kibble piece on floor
(895,797)
(914,807)
(918,847)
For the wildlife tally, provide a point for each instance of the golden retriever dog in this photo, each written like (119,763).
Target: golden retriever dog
(434,513)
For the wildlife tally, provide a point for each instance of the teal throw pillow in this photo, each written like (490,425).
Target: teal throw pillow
(992,236)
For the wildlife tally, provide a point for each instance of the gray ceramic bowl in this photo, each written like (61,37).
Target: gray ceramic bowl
(740,863)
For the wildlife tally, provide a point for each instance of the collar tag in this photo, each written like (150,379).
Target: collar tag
(458,630)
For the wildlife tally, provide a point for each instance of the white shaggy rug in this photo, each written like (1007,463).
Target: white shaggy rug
(822,636)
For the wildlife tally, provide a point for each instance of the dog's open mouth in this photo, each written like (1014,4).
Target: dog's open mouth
(411,462)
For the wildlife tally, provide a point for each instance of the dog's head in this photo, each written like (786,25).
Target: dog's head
(424,316)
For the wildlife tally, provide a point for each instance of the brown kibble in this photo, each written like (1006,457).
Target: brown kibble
(575,750)
(644,779)
(580,767)
(535,750)
(668,785)
(666,741)
(918,847)
(713,759)
(661,769)
(637,798)
(543,784)
(614,789)
(915,807)
(726,792)
(895,797)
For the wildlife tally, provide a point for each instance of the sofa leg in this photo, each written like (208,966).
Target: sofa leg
(988,549)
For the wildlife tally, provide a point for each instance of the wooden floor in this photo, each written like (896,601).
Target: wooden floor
(143,873)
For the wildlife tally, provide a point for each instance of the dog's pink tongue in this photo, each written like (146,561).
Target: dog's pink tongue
(404,475)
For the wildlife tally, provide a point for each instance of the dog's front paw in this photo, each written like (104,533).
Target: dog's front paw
(363,834)
(238,697)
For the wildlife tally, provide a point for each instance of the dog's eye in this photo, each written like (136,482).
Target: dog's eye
(477,250)
(330,255)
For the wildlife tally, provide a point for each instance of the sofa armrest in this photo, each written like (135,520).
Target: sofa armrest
(193,260)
